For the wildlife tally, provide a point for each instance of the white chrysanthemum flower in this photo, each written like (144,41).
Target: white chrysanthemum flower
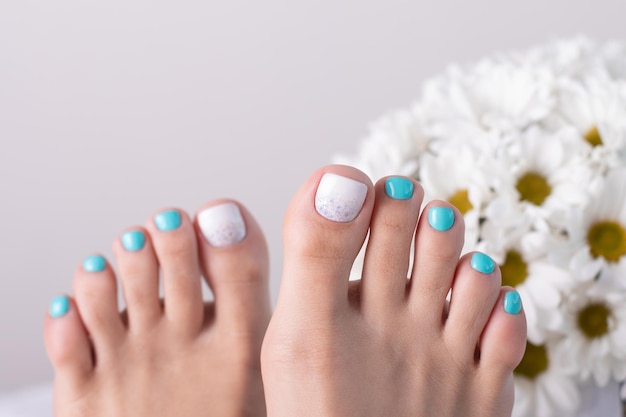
(594,341)
(542,389)
(522,256)
(614,56)
(597,109)
(598,235)
(498,96)
(393,147)
(574,58)
(541,180)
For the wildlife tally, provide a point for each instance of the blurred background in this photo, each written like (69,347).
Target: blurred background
(110,110)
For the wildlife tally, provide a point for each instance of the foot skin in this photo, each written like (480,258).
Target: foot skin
(385,345)
(178,356)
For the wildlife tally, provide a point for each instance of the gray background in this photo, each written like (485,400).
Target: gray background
(112,109)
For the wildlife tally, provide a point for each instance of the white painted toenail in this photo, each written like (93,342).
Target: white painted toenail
(222,225)
(339,199)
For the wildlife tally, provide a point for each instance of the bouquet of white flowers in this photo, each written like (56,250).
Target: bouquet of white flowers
(531,148)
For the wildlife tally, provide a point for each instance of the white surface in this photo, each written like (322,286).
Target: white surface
(36,402)
(110,110)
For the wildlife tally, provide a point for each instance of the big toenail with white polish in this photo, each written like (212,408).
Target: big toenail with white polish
(222,225)
(59,306)
(133,240)
(482,263)
(441,218)
(94,263)
(339,199)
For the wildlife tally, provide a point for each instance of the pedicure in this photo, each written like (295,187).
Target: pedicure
(59,306)
(482,263)
(441,218)
(399,188)
(94,263)
(222,225)
(167,220)
(512,302)
(339,199)
(133,240)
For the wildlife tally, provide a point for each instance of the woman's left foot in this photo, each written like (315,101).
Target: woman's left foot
(176,357)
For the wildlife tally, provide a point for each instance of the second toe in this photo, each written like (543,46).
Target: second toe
(387,258)
(174,240)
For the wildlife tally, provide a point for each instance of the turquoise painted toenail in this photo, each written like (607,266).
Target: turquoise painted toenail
(59,306)
(399,188)
(133,240)
(94,263)
(441,218)
(512,302)
(482,263)
(168,220)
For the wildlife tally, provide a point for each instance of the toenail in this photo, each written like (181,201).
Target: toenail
(59,306)
(441,218)
(167,220)
(339,199)
(512,302)
(482,263)
(94,263)
(222,225)
(399,188)
(133,240)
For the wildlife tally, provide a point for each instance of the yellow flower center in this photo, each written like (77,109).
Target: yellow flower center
(607,239)
(593,136)
(461,201)
(593,320)
(534,188)
(514,269)
(534,362)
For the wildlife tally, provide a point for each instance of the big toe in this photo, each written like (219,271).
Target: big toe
(174,241)
(234,259)
(324,228)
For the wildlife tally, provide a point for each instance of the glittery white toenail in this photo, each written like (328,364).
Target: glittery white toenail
(222,225)
(339,199)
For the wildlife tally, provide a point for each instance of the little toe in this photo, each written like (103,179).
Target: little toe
(438,244)
(67,343)
(235,261)
(324,228)
(475,290)
(139,274)
(174,241)
(386,264)
(503,340)
(95,288)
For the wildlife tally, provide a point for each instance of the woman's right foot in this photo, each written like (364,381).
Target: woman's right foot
(385,345)
(179,356)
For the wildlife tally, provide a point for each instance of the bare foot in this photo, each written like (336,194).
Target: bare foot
(179,356)
(385,345)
